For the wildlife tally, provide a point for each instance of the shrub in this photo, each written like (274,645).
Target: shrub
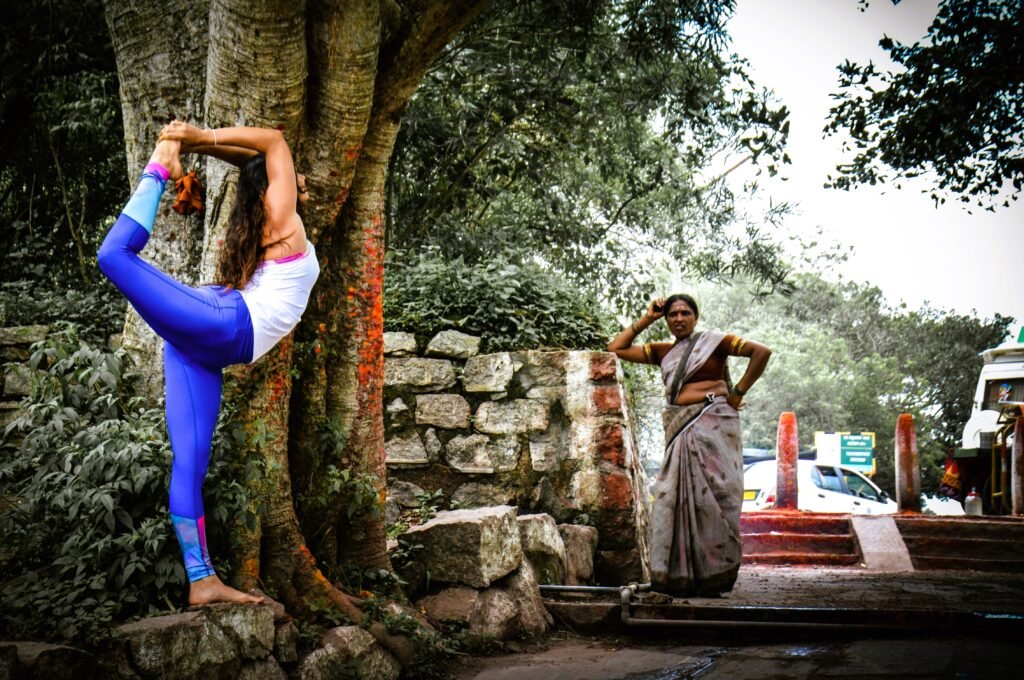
(98,312)
(509,305)
(83,499)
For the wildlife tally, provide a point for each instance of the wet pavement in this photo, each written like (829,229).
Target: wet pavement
(788,622)
(569,658)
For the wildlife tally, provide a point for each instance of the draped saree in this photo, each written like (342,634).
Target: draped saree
(695,517)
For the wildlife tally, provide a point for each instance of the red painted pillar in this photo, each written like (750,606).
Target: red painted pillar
(788,447)
(1017,470)
(908,472)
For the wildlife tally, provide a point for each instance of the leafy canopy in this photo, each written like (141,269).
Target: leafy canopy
(578,134)
(954,110)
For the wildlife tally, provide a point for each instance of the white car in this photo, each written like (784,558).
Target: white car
(821,488)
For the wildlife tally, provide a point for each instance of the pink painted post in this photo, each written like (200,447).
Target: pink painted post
(908,472)
(1017,470)
(788,447)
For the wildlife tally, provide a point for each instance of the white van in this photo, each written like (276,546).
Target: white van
(1000,387)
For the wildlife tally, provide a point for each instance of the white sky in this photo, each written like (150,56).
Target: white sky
(914,252)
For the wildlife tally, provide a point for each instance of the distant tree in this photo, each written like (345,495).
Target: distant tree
(954,108)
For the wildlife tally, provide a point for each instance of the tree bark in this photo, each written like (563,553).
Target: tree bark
(335,76)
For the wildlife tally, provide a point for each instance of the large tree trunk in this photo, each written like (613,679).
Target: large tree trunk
(335,76)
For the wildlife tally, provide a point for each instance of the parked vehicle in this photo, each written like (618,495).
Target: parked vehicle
(821,488)
(984,457)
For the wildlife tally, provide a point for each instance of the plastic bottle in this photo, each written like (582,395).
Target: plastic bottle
(972,504)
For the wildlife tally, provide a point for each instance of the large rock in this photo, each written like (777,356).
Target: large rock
(488,373)
(180,646)
(523,588)
(405,449)
(41,660)
(453,344)
(511,417)
(346,652)
(286,641)
(22,335)
(618,567)
(419,375)
(477,495)
(541,368)
(580,544)
(543,546)
(489,613)
(474,547)
(262,669)
(17,381)
(478,454)
(406,494)
(398,344)
(250,628)
(450,411)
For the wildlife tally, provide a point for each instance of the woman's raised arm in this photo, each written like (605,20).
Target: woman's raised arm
(622,344)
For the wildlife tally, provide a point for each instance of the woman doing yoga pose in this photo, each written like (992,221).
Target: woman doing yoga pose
(264,276)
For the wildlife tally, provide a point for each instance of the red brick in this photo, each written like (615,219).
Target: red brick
(617,493)
(609,444)
(602,366)
(607,399)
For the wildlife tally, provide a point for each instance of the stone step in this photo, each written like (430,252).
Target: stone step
(968,527)
(793,522)
(932,563)
(970,548)
(754,544)
(803,559)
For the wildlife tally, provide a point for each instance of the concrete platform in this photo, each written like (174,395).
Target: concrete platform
(822,597)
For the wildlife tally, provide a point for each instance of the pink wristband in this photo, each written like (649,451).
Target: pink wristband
(158,170)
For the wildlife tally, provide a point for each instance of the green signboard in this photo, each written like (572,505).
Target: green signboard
(857,450)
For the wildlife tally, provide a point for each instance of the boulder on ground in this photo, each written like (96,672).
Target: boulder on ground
(543,545)
(477,495)
(262,669)
(349,651)
(179,646)
(524,590)
(580,544)
(473,547)
(42,660)
(250,628)
(490,613)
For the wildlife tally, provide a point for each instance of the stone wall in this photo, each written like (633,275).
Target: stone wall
(546,431)
(14,378)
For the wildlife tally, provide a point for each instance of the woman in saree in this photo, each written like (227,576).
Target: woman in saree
(695,519)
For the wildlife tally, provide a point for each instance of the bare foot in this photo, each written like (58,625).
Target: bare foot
(211,589)
(167,154)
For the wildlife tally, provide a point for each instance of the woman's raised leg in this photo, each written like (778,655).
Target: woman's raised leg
(182,315)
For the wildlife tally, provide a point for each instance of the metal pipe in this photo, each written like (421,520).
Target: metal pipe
(640,587)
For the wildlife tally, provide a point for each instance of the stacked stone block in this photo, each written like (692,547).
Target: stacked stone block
(545,431)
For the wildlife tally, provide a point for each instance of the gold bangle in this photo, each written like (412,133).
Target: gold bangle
(214,136)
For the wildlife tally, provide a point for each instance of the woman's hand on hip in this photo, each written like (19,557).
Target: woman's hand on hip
(735,400)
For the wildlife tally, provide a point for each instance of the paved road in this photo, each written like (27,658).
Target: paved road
(574,658)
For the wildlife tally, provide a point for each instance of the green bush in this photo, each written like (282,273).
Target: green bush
(510,306)
(83,499)
(98,312)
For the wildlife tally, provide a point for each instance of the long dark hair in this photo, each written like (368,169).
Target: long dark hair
(685,298)
(243,249)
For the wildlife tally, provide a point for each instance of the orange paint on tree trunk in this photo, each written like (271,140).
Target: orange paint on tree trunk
(908,472)
(788,446)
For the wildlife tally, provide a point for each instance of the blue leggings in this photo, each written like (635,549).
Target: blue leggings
(204,330)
